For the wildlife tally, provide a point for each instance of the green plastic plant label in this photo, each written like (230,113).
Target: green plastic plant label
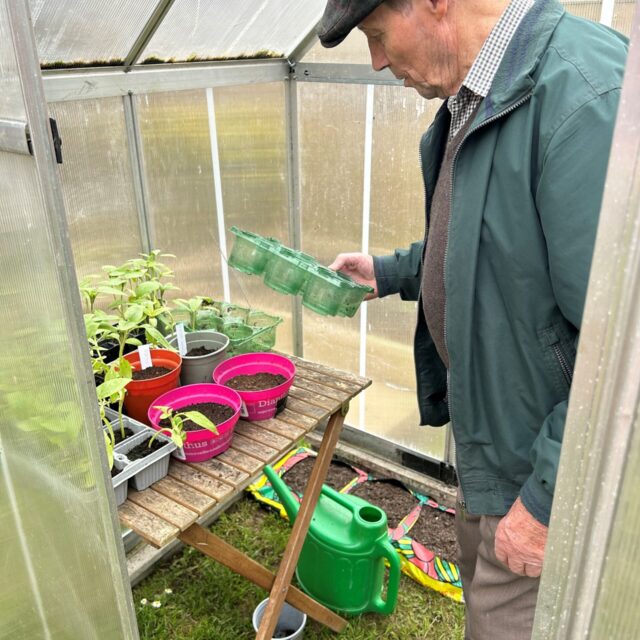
(182,341)
(144,353)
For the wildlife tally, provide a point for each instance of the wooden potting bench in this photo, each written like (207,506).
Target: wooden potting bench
(174,507)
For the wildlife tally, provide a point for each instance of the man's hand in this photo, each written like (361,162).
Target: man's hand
(520,541)
(359,267)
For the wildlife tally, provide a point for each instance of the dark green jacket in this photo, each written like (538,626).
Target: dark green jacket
(527,187)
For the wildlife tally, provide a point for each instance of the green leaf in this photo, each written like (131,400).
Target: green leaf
(110,291)
(153,335)
(110,387)
(201,420)
(146,288)
(125,369)
(134,313)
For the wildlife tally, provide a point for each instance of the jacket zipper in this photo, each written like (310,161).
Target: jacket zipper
(514,106)
(564,363)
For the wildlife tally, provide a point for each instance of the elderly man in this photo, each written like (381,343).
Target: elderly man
(514,168)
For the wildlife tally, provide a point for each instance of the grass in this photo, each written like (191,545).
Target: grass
(199,599)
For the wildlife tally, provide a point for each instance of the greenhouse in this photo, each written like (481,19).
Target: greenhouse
(178,180)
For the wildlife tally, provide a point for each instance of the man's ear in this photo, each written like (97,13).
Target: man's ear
(436,8)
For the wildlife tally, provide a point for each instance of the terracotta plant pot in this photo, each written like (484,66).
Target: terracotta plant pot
(141,393)
(201,444)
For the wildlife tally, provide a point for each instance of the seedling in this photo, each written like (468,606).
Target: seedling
(176,418)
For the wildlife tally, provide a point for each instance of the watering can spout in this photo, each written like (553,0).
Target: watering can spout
(284,493)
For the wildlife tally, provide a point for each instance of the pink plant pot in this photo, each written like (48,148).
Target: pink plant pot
(266,403)
(201,444)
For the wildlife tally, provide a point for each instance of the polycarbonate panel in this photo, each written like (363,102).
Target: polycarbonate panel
(251,130)
(623,13)
(397,220)
(331,133)
(179,174)
(11,104)
(353,50)
(62,564)
(584,8)
(86,31)
(97,183)
(223,29)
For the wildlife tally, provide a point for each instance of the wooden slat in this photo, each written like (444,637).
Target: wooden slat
(220,470)
(297,419)
(330,371)
(156,531)
(328,381)
(321,389)
(240,460)
(164,508)
(290,431)
(200,481)
(184,494)
(314,398)
(253,448)
(255,432)
(214,547)
(307,409)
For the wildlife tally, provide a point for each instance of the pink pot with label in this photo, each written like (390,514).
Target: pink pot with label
(201,444)
(266,403)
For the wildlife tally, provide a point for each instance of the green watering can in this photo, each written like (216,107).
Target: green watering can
(342,562)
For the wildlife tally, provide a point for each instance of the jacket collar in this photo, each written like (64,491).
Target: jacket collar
(514,79)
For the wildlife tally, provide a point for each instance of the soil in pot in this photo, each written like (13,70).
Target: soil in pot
(338,476)
(143,449)
(115,472)
(150,373)
(436,531)
(392,498)
(255,382)
(117,433)
(199,351)
(217,413)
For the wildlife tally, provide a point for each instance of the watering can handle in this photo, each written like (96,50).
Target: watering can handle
(387,606)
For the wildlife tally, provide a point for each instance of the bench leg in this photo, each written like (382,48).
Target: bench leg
(211,545)
(301,525)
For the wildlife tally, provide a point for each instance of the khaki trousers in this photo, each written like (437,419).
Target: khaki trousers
(500,605)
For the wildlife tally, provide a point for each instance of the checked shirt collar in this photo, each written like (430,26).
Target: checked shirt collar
(478,81)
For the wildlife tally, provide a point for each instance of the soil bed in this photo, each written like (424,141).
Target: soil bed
(151,372)
(143,449)
(255,382)
(393,499)
(198,351)
(338,476)
(436,531)
(115,472)
(217,413)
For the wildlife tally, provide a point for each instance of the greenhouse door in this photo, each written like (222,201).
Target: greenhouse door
(63,572)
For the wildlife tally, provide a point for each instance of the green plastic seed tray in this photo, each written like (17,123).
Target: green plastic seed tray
(264,326)
(250,252)
(324,292)
(285,271)
(355,294)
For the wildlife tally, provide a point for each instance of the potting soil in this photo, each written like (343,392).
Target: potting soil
(424,558)
(255,382)
(199,351)
(217,413)
(143,449)
(150,373)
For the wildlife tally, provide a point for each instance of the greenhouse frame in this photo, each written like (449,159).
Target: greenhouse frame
(130,127)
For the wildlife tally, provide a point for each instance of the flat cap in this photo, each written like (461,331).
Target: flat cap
(340,17)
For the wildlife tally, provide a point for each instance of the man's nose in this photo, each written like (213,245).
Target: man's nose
(379,60)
